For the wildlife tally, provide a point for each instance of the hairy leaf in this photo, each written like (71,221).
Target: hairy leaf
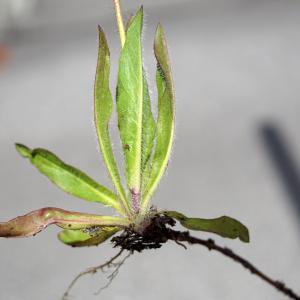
(148,132)
(130,93)
(223,226)
(68,178)
(36,221)
(165,120)
(91,236)
(103,109)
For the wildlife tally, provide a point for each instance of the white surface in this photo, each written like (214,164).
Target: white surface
(236,66)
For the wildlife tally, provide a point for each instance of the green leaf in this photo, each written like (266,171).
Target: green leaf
(103,109)
(130,102)
(148,133)
(224,226)
(68,178)
(91,236)
(148,126)
(165,120)
(129,22)
(36,221)
(23,150)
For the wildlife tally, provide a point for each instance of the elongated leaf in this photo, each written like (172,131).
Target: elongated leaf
(68,178)
(165,120)
(224,226)
(148,132)
(103,110)
(91,236)
(130,102)
(148,126)
(36,221)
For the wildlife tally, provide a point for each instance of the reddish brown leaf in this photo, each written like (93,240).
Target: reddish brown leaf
(36,221)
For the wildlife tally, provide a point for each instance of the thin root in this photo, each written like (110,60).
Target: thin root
(181,244)
(109,264)
(113,275)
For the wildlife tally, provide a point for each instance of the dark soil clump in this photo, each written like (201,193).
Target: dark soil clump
(153,236)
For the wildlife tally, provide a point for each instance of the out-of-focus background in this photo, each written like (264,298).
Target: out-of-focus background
(237,150)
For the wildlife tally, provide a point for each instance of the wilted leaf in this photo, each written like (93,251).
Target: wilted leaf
(223,226)
(165,120)
(68,178)
(38,220)
(103,110)
(91,236)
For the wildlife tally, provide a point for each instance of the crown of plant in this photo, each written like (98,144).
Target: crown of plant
(146,145)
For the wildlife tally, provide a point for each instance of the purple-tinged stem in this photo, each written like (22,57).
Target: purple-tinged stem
(135,198)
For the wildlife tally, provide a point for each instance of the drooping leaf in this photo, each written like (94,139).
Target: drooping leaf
(34,222)
(103,104)
(165,119)
(91,236)
(130,93)
(224,226)
(68,178)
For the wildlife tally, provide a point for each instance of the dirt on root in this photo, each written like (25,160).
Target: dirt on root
(153,236)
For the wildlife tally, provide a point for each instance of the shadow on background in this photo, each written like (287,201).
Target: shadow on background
(283,161)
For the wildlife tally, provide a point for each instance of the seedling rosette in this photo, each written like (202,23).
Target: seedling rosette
(146,144)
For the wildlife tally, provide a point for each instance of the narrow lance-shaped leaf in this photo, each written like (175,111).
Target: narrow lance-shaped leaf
(68,178)
(36,221)
(148,133)
(148,126)
(165,119)
(103,109)
(130,105)
(224,226)
(91,236)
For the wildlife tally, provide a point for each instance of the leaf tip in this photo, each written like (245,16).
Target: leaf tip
(159,33)
(159,28)
(244,235)
(23,150)
(140,15)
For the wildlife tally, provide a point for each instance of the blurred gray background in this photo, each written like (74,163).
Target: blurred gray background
(237,150)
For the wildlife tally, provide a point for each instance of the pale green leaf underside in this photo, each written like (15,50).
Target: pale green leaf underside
(165,120)
(103,105)
(68,178)
(224,226)
(36,221)
(130,102)
(87,237)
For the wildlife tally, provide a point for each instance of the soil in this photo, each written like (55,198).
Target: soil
(153,236)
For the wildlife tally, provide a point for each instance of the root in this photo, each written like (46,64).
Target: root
(211,245)
(112,263)
(157,233)
(114,274)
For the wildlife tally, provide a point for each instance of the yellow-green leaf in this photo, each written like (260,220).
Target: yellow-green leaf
(68,178)
(165,119)
(130,95)
(91,236)
(224,226)
(103,104)
(148,133)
